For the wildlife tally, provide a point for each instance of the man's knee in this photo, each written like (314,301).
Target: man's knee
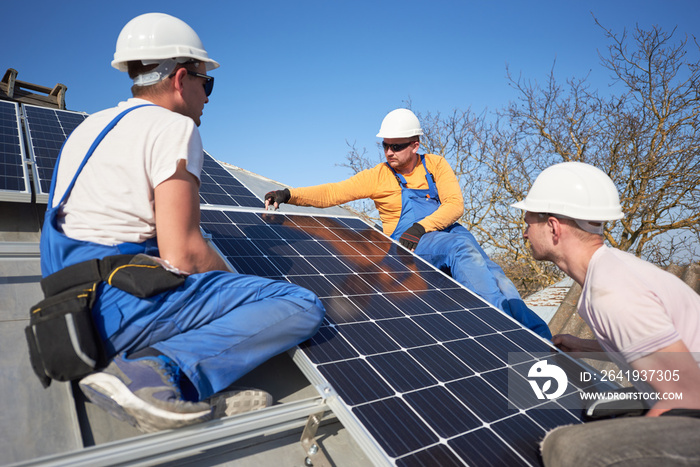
(311,312)
(451,248)
(316,311)
(559,446)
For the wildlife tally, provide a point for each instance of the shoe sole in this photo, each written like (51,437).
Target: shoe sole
(237,401)
(110,394)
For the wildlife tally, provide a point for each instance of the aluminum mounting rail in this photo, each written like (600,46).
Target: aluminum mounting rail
(189,442)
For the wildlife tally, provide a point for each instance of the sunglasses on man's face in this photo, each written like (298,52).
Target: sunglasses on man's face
(208,81)
(396,147)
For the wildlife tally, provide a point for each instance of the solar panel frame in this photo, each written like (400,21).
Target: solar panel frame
(394,418)
(14,174)
(47,129)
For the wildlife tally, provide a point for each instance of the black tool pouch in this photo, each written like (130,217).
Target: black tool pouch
(141,276)
(63,343)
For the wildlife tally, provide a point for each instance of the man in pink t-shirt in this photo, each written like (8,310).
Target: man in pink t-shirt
(637,309)
(644,319)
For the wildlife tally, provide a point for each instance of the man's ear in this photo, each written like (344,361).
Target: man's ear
(178,79)
(554,225)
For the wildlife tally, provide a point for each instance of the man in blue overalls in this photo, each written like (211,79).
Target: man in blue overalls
(419,202)
(127,181)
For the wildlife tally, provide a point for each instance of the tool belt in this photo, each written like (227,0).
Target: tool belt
(615,404)
(63,342)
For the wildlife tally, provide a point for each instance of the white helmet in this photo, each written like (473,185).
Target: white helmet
(575,190)
(400,123)
(156,37)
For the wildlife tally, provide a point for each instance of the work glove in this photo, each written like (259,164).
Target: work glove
(411,236)
(278,197)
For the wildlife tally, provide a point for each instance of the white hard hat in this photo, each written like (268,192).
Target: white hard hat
(400,123)
(156,37)
(575,190)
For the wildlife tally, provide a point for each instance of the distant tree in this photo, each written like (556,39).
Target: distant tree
(643,132)
(358,161)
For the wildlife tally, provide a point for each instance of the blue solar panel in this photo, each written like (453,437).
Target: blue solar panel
(219,187)
(418,365)
(47,130)
(14,180)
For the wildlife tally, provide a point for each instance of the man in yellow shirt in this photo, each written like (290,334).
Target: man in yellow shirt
(419,202)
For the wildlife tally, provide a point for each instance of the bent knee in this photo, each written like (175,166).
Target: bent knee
(311,310)
(556,447)
(317,313)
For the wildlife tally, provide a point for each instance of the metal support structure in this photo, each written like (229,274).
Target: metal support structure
(314,453)
(354,427)
(189,442)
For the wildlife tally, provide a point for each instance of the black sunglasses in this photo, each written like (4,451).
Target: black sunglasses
(396,147)
(208,81)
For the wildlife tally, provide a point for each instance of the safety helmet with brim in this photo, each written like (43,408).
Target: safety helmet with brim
(575,190)
(158,38)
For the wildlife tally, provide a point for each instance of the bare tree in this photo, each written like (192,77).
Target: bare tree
(646,138)
(358,161)
(643,131)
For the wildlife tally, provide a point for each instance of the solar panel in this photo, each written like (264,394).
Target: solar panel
(219,187)
(14,179)
(47,130)
(420,370)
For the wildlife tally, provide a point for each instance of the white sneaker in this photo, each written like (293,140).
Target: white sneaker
(238,400)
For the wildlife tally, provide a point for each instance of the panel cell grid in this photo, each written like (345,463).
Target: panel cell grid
(47,130)
(416,360)
(14,180)
(219,187)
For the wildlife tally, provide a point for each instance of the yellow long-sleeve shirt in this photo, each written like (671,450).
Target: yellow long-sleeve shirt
(380,185)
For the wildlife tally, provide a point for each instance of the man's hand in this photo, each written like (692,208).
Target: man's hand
(411,236)
(579,348)
(277,197)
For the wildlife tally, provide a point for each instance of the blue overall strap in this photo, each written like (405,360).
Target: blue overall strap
(95,143)
(432,188)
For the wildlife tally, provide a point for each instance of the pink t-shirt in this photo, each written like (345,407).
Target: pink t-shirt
(636,308)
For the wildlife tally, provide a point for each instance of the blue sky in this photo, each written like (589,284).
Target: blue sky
(299,79)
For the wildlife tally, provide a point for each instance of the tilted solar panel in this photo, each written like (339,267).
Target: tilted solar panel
(47,130)
(425,372)
(14,179)
(219,187)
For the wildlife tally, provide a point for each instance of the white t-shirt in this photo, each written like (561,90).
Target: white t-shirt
(635,308)
(112,201)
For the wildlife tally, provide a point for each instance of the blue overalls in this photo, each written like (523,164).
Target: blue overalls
(455,249)
(217,326)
